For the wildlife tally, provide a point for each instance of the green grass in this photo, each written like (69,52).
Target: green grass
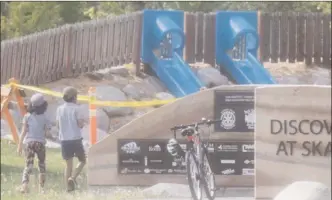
(11,172)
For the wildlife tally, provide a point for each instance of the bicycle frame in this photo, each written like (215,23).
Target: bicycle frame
(199,145)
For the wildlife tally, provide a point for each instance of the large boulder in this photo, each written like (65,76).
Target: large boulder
(305,190)
(110,93)
(119,70)
(288,80)
(103,121)
(154,84)
(51,112)
(164,96)
(211,77)
(140,90)
(17,118)
(134,91)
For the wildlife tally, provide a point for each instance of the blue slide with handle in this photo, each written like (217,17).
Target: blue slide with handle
(177,75)
(236,32)
(162,49)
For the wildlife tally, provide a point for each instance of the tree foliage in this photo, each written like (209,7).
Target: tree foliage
(22,18)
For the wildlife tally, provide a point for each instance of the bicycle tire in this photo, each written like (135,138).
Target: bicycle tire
(210,192)
(190,160)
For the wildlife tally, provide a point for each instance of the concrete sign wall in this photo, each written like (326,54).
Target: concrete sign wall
(103,157)
(292,137)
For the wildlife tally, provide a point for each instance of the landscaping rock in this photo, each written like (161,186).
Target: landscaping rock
(139,90)
(164,96)
(211,77)
(103,121)
(94,76)
(119,70)
(110,93)
(305,190)
(17,118)
(133,92)
(287,80)
(120,81)
(155,84)
(51,112)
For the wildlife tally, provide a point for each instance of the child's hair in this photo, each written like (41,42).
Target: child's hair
(37,104)
(70,95)
(37,109)
(69,99)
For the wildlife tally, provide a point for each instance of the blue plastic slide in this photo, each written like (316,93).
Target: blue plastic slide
(231,29)
(177,76)
(162,47)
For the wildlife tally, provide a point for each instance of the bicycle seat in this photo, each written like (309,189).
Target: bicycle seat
(189,131)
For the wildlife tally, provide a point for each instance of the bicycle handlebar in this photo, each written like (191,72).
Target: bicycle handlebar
(205,122)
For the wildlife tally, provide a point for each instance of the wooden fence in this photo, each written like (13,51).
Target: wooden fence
(71,50)
(291,37)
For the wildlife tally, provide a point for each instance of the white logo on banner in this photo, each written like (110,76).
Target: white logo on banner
(126,171)
(227,118)
(227,161)
(131,161)
(130,148)
(249,162)
(155,148)
(247,171)
(228,171)
(228,148)
(249,118)
(247,148)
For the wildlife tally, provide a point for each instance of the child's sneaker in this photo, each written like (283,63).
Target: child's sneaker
(24,188)
(41,189)
(71,185)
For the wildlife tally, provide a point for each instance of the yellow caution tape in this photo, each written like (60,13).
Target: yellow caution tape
(97,102)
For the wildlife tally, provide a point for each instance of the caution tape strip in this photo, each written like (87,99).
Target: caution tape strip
(97,102)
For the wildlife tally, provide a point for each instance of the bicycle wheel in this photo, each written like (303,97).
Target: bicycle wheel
(194,181)
(208,177)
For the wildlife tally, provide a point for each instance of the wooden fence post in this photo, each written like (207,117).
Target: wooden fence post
(137,43)
(259,30)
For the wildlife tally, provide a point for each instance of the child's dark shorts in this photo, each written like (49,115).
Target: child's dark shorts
(73,148)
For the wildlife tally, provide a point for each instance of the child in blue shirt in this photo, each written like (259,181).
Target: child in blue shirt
(69,123)
(33,139)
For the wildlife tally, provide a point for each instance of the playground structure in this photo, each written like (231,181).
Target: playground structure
(163,40)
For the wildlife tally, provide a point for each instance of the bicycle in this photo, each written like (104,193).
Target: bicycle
(199,172)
